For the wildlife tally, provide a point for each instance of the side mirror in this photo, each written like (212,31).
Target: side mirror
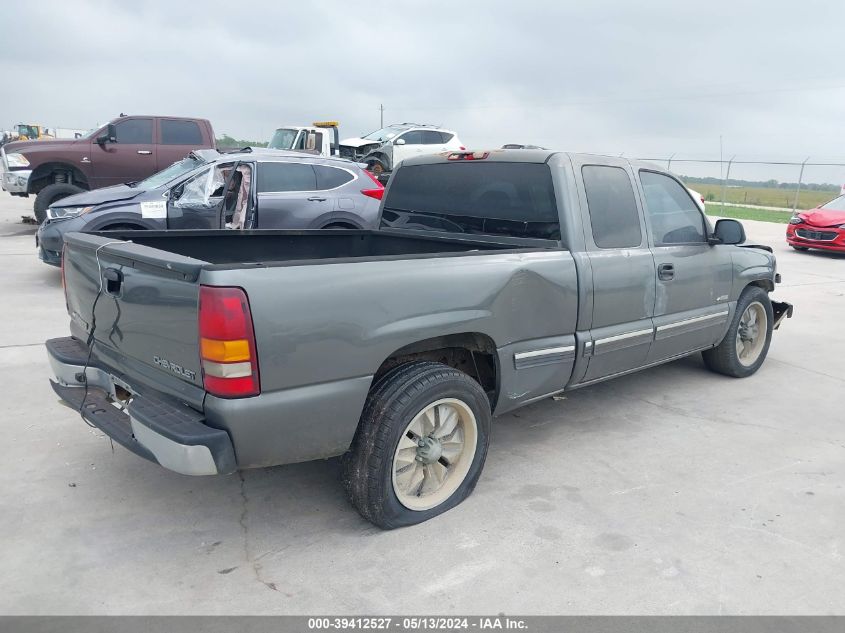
(728,232)
(399,141)
(109,137)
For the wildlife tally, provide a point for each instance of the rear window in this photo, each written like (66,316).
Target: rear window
(180,132)
(331,177)
(491,198)
(613,210)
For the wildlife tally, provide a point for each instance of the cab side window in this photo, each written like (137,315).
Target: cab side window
(674,216)
(614,218)
(134,132)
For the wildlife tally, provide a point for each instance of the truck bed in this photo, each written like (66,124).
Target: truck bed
(263,247)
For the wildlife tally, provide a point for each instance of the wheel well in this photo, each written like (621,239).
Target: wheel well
(766,284)
(340,225)
(470,352)
(122,226)
(52,173)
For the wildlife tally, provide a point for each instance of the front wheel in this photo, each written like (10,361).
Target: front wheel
(420,446)
(745,346)
(800,248)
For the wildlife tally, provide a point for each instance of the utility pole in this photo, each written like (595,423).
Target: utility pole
(381,115)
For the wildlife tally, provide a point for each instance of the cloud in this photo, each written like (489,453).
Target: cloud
(651,78)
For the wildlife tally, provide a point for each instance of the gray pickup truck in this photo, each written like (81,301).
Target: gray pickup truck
(495,279)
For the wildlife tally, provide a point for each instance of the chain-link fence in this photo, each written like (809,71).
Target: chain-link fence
(740,182)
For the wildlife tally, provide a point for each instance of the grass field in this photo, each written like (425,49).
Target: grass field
(763,196)
(747,213)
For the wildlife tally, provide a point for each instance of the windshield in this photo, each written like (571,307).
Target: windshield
(837,204)
(169,173)
(385,133)
(283,139)
(513,199)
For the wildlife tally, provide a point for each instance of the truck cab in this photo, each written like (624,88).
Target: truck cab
(320,138)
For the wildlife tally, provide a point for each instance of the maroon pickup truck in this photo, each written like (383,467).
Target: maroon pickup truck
(127,149)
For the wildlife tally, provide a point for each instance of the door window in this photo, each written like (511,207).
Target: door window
(180,132)
(134,131)
(202,189)
(331,177)
(277,177)
(414,137)
(674,216)
(614,217)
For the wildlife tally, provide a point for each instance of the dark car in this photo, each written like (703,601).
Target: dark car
(126,149)
(250,189)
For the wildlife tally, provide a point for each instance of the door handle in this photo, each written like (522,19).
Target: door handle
(666,272)
(316,199)
(146,152)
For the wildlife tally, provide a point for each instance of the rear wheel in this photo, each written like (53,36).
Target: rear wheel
(420,446)
(745,346)
(50,195)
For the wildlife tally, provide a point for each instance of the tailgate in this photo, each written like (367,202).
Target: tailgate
(145,319)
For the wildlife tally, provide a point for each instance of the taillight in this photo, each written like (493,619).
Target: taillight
(376,193)
(227,343)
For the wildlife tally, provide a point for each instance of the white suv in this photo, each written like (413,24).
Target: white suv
(383,149)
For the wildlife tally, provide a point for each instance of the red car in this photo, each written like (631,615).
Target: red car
(822,227)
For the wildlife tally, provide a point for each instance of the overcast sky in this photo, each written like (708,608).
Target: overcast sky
(646,79)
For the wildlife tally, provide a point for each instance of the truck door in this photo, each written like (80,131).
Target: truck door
(129,157)
(622,268)
(176,139)
(287,196)
(693,277)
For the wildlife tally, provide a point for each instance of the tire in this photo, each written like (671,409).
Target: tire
(801,248)
(393,481)
(50,194)
(376,167)
(745,346)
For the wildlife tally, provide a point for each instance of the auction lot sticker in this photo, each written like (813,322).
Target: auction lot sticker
(153,210)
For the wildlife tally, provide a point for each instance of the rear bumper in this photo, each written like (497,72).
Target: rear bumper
(153,426)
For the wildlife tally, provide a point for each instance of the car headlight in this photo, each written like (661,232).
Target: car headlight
(17,160)
(66,212)
(796,220)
